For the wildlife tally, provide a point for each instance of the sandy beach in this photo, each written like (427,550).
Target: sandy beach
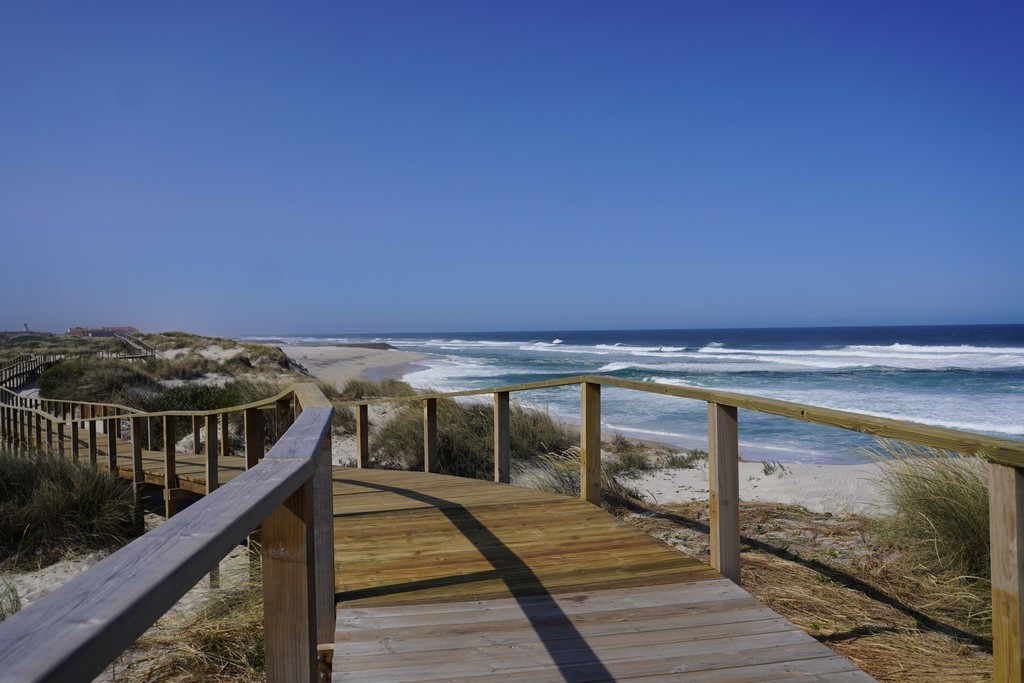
(339,364)
(835,489)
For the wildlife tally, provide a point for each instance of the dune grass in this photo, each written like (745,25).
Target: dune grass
(465,437)
(941,504)
(221,638)
(560,473)
(51,506)
(360,388)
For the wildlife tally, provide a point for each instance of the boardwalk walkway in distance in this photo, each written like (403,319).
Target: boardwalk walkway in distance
(441,578)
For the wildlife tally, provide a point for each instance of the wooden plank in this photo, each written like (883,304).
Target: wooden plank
(502,438)
(225,442)
(590,443)
(111,427)
(197,428)
(723,466)
(1006,528)
(430,461)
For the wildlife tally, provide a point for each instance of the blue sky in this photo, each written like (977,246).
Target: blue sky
(243,168)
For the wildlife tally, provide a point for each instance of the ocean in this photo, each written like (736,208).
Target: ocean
(967,377)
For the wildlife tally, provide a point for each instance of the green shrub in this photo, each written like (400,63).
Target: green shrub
(359,388)
(50,505)
(630,463)
(465,434)
(687,460)
(941,504)
(94,379)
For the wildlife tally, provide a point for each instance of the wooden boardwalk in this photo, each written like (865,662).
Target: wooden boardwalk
(440,578)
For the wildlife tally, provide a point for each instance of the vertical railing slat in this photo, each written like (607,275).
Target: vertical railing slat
(590,442)
(170,467)
(1006,528)
(362,435)
(502,438)
(430,463)
(723,451)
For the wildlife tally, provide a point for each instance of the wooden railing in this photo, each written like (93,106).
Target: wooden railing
(77,630)
(1005,456)
(26,368)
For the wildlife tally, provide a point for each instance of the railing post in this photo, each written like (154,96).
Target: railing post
(197,427)
(74,441)
(225,442)
(92,440)
(49,436)
(254,440)
(112,427)
(60,439)
(430,463)
(151,433)
(170,470)
(724,463)
(362,435)
(502,438)
(289,586)
(211,454)
(590,443)
(1006,530)
(284,416)
(138,473)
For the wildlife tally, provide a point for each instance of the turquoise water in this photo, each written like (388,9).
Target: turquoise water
(963,377)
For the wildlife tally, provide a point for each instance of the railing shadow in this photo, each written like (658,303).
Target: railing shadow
(847,581)
(575,659)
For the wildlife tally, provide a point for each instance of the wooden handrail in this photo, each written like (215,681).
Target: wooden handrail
(994,449)
(97,615)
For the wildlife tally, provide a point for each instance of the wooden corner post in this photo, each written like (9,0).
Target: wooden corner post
(724,472)
(502,438)
(1006,528)
(590,443)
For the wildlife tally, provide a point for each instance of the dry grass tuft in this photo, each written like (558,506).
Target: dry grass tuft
(220,639)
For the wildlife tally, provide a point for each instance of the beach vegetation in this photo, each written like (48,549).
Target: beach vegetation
(361,388)
(940,501)
(51,506)
(220,638)
(686,460)
(10,601)
(560,473)
(465,437)
(630,463)
(94,379)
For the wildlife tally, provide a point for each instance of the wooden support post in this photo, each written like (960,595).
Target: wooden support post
(49,436)
(254,439)
(363,435)
(197,427)
(289,586)
(590,443)
(39,430)
(60,439)
(170,467)
(74,441)
(1006,529)
(212,481)
(430,463)
(724,473)
(151,433)
(323,540)
(225,442)
(138,474)
(502,438)
(92,441)
(284,416)
(112,429)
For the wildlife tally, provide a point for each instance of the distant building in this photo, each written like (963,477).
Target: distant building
(100,331)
